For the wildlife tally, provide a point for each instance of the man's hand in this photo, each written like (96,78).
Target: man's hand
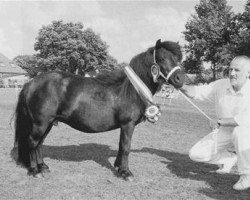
(227,122)
(213,124)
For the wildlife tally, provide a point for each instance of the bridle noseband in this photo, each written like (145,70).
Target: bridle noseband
(156,71)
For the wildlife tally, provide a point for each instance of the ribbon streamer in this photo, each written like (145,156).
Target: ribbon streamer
(139,85)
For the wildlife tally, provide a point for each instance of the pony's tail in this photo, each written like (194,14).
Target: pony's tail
(23,126)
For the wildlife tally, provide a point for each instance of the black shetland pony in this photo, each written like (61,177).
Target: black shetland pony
(90,105)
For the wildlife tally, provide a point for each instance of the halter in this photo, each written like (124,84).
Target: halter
(156,71)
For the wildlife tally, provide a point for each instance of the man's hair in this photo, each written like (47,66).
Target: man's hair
(243,59)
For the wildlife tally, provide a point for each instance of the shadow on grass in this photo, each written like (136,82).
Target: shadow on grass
(183,167)
(91,151)
(179,164)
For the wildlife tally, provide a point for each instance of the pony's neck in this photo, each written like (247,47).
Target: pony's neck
(150,84)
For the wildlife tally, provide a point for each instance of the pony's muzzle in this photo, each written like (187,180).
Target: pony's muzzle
(177,79)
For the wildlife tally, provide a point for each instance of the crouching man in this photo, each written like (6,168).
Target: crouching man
(232,105)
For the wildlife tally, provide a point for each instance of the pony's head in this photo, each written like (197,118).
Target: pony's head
(165,64)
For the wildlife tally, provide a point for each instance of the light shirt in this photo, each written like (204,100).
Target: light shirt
(228,103)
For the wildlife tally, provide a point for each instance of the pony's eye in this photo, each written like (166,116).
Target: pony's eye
(161,60)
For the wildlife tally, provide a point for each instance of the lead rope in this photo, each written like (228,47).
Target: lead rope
(201,111)
(204,114)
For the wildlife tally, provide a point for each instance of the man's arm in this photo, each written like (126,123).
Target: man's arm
(227,122)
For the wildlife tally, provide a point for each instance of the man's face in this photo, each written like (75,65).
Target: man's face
(238,73)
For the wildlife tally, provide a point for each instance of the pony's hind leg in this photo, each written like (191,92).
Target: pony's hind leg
(42,167)
(33,168)
(37,136)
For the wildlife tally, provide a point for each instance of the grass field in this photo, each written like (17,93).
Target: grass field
(82,164)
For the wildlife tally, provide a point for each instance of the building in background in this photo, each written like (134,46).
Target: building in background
(11,75)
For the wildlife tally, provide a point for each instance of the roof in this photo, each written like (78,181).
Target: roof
(8,67)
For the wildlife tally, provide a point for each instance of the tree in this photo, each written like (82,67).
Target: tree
(191,65)
(67,47)
(240,32)
(28,63)
(207,33)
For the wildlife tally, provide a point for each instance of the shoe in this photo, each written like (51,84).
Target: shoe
(243,183)
(227,166)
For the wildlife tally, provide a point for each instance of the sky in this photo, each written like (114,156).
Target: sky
(128,27)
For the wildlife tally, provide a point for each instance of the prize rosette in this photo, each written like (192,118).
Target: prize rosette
(152,113)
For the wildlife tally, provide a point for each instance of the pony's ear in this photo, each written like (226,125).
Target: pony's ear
(158,44)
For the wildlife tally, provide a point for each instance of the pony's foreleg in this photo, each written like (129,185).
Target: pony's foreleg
(124,149)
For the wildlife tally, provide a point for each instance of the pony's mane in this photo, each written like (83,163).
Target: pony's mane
(173,47)
(109,78)
(117,79)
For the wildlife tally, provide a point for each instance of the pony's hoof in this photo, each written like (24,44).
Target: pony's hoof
(126,175)
(129,178)
(43,168)
(35,173)
(38,175)
(45,171)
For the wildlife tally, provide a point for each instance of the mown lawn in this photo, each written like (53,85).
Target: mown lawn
(82,164)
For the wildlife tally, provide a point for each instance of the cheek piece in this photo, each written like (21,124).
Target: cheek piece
(156,72)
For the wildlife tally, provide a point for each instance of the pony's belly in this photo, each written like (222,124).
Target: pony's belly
(92,128)
(93,122)
(86,129)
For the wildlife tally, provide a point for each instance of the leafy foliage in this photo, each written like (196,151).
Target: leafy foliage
(192,65)
(207,33)
(67,47)
(28,63)
(240,32)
